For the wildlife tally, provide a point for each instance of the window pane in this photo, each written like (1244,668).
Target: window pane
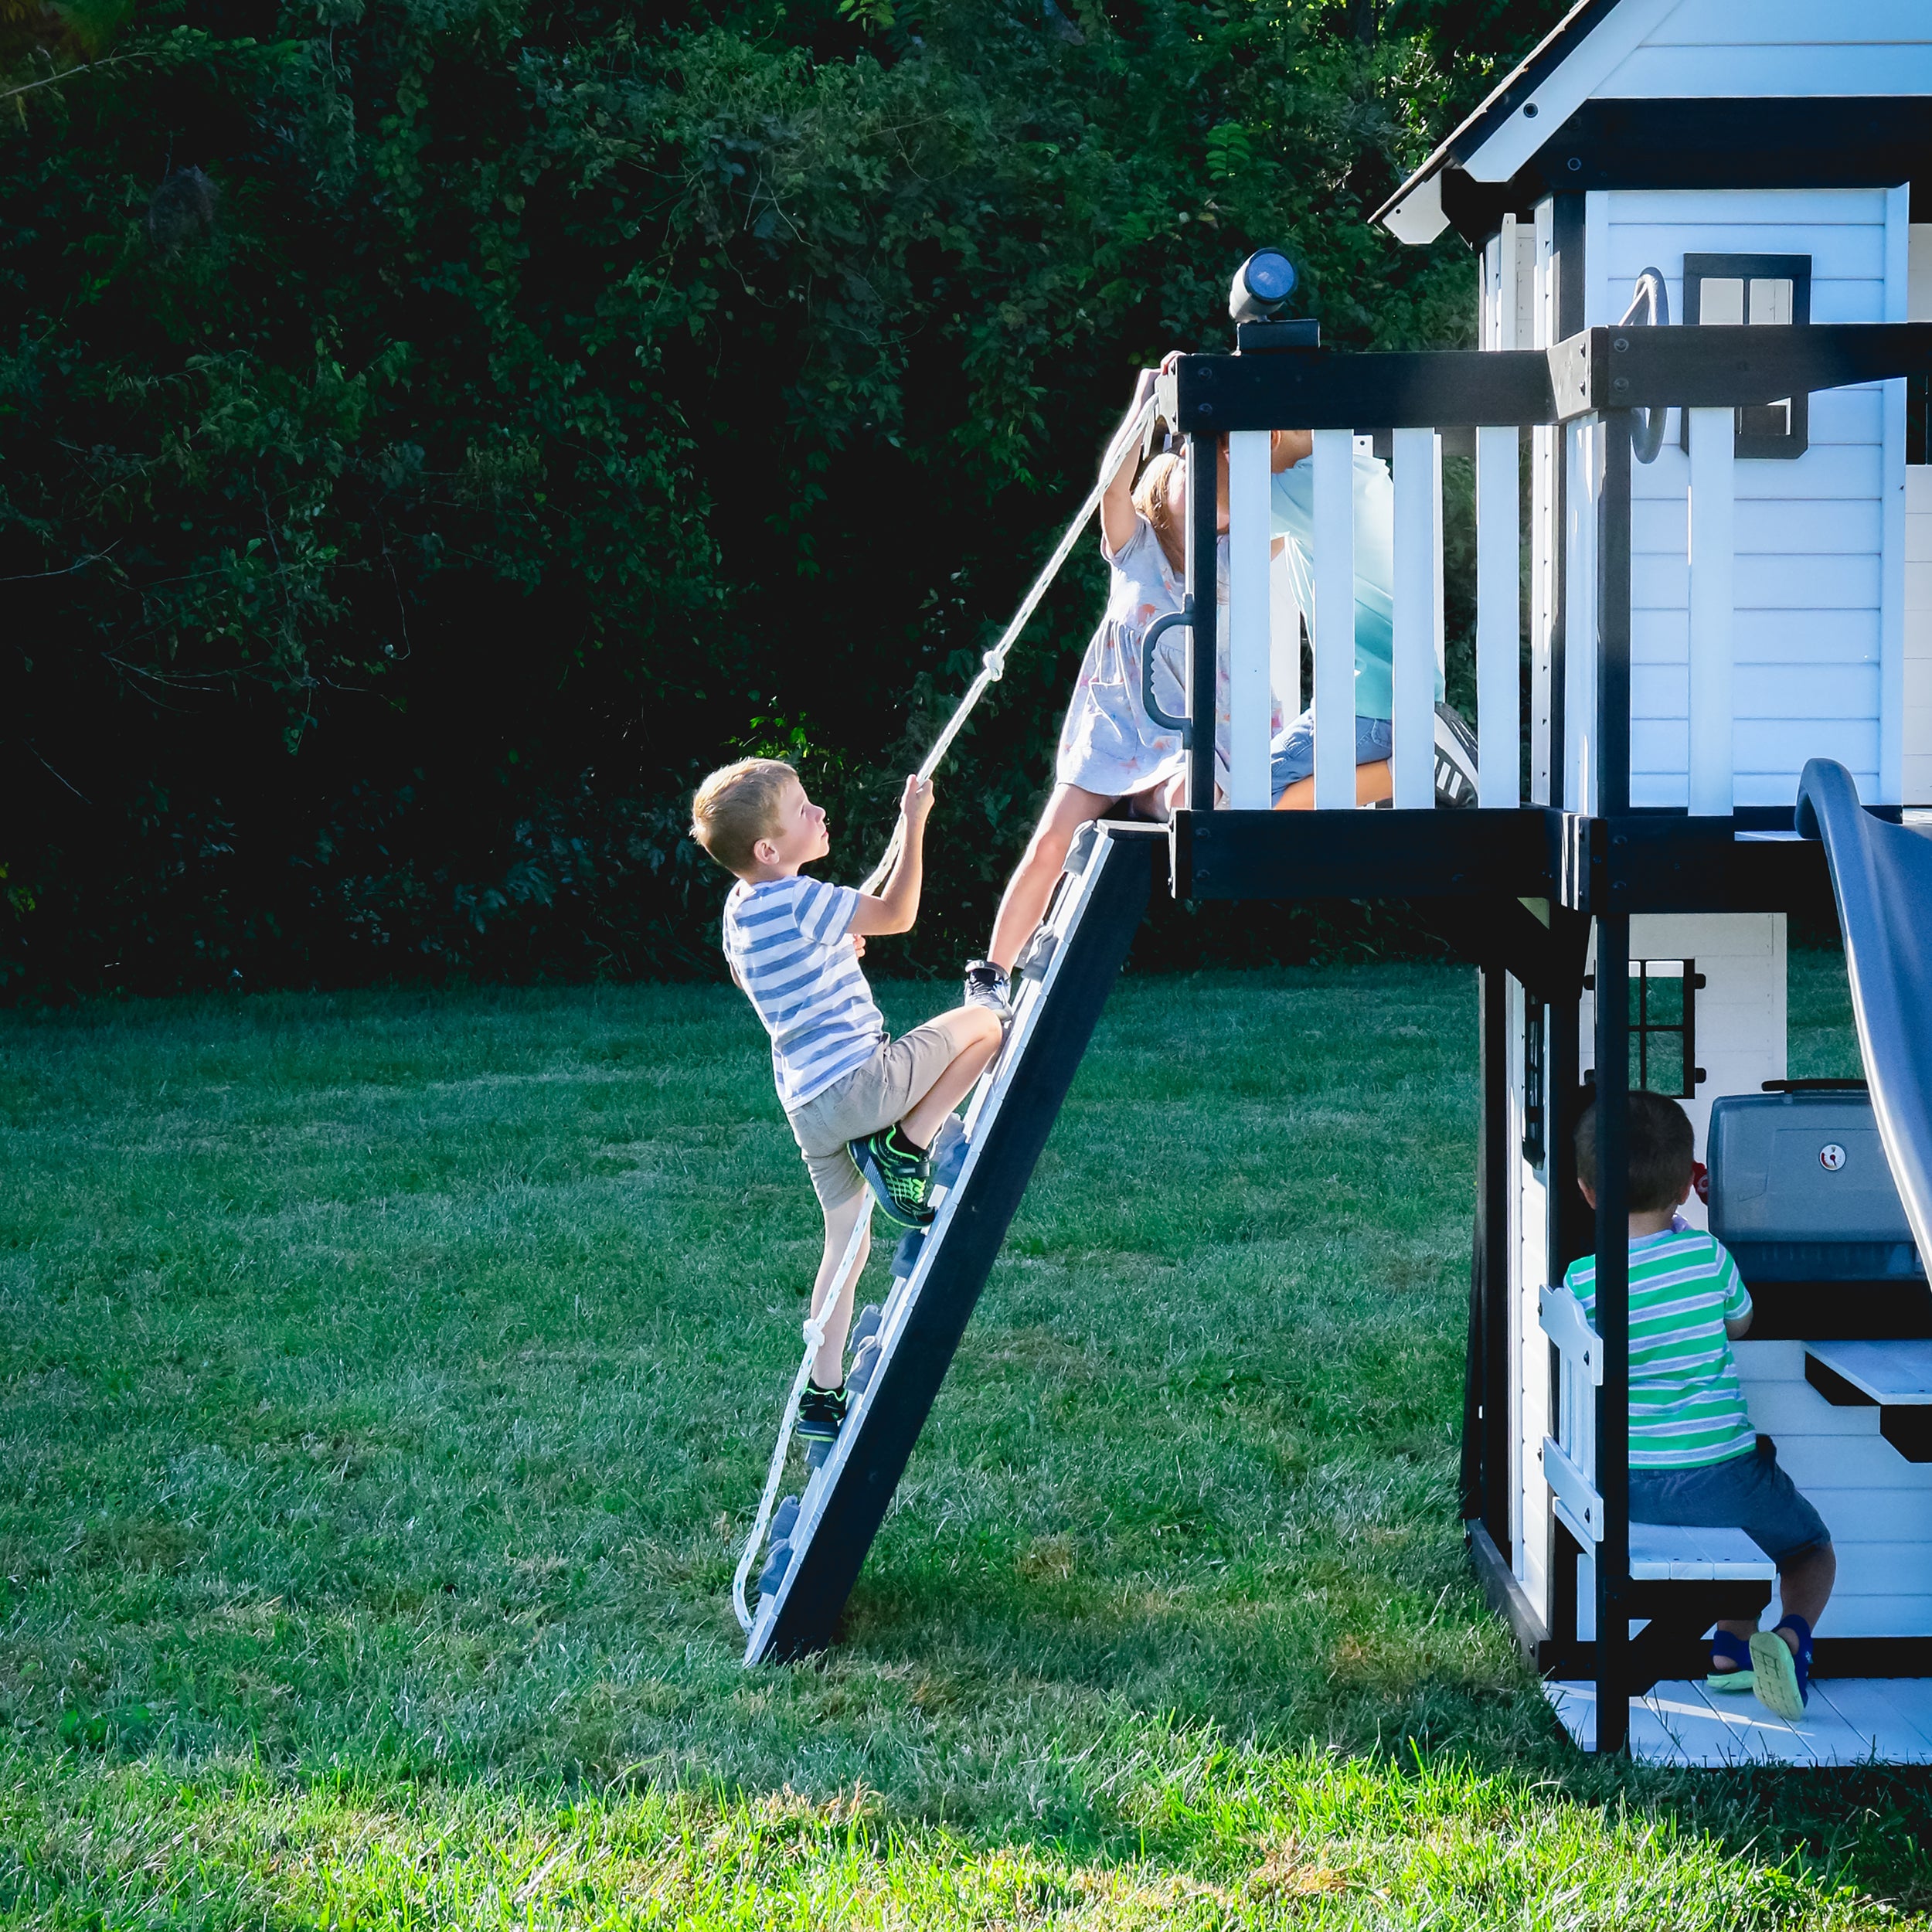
(1771,301)
(1771,419)
(1721,299)
(1665,1001)
(1665,1057)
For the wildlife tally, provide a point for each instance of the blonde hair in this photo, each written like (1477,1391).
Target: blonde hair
(1153,497)
(738,805)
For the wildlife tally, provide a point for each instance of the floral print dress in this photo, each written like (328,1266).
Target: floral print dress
(1108,743)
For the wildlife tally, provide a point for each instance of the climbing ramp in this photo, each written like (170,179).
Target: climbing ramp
(1071,967)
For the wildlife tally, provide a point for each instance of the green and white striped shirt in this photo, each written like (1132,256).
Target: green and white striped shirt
(1686,1409)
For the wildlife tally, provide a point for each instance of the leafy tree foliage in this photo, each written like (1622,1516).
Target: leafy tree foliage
(432,434)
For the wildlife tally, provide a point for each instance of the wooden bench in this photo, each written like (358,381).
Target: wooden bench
(1682,1581)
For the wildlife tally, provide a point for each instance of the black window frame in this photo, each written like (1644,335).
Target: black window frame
(1642,1027)
(1756,445)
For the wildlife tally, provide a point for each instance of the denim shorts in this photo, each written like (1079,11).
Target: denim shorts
(1749,1492)
(1291,756)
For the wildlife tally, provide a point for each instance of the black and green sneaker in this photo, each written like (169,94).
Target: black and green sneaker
(820,1411)
(899,1175)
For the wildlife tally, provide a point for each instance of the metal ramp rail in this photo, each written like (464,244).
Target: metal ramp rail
(1075,959)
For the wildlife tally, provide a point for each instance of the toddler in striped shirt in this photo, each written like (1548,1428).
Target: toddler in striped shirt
(863,1108)
(1695,1459)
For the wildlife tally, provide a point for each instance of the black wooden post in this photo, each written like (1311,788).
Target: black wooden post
(1203,587)
(1493,1179)
(1612,1090)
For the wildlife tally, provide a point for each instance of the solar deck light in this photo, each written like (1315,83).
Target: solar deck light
(1262,283)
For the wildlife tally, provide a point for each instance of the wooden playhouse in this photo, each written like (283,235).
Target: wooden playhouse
(1703,597)
(1773,159)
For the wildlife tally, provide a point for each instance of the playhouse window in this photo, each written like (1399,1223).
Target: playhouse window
(1663,1027)
(1721,291)
(1534,1035)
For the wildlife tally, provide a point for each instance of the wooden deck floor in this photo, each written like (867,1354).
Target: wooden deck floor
(1850,1720)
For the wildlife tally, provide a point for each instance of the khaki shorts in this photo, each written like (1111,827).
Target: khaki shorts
(885,1089)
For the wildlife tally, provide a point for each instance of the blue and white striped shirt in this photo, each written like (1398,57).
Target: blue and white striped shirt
(788,943)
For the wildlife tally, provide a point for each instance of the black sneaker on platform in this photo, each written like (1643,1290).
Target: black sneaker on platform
(986,986)
(1455,758)
(821,1412)
(900,1177)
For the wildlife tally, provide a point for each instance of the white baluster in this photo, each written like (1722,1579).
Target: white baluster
(1416,522)
(1334,620)
(1248,620)
(1498,621)
(1712,603)
(1284,632)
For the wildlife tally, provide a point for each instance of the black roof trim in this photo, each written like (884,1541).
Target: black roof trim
(1750,141)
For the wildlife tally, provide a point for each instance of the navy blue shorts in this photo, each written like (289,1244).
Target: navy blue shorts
(1751,1493)
(1291,756)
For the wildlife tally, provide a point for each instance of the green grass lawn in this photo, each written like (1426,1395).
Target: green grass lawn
(388,1381)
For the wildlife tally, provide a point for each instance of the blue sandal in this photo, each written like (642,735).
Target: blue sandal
(1782,1678)
(1730,1664)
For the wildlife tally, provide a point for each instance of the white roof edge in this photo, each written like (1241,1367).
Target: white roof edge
(1565,87)
(1416,215)
(1425,181)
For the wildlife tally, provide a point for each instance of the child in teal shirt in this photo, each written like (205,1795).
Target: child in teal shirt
(1695,1457)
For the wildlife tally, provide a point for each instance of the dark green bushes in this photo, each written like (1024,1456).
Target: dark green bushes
(431,435)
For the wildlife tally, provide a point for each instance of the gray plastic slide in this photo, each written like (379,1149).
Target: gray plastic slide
(1882,875)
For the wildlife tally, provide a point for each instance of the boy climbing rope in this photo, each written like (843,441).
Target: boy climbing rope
(1694,1458)
(863,1108)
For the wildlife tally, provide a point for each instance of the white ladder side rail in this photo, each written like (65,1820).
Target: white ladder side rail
(1418,522)
(1250,612)
(1713,502)
(1570,1456)
(1334,460)
(1498,620)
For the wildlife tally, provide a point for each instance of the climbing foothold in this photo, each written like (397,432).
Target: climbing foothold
(864,1365)
(782,1519)
(906,1255)
(866,1324)
(776,1563)
(817,1453)
(949,1152)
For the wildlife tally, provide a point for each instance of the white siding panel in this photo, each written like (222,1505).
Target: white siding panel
(1770,693)
(1844,299)
(1744,23)
(1825,641)
(1843,251)
(1796,692)
(1849,1616)
(1660,747)
(1841,470)
(1916,745)
(1847,416)
(1682,73)
(1775,582)
(1777,748)
(1849,1462)
(1826,638)
(1890,1569)
(1860,1515)
(1777,1407)
(1785,207)
(1659,690)
(1662,526)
